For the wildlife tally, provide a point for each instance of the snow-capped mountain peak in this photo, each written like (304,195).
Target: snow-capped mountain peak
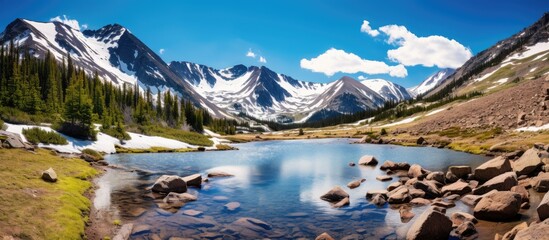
(388,90)
(431,82)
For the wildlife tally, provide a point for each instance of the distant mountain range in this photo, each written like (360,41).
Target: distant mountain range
(120,57)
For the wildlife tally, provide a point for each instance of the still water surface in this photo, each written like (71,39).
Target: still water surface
(278,182)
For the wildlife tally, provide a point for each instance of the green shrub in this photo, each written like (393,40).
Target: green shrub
(77,131)
(36,135)
(116,132)
(176,134)
(16,116)
(383,132)
(93,153)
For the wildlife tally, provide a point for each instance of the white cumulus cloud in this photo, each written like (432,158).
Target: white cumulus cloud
(426,51)
(367,29)
(70,22)
(362,77)
(250,53)
(262,59)
(335,60)
(161,51)
(84,26)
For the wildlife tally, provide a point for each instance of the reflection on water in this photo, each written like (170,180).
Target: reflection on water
(279,182)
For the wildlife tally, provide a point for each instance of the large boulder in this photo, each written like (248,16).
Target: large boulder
(12,140)
(466,230)
(460,171)
(528,162)
(49,175)
(367,160)
(390,165)
(415,171)
(429,187)
(492,168)
(543,207)
(169,183)
(431,224)
(503,182)
(498,206)
(194,180)
(335,195)
(460,187)
(540,183)
(534,231)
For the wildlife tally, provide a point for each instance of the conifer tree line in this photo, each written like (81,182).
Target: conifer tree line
(75,99)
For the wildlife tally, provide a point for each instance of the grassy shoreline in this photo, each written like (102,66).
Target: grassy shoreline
(34,209)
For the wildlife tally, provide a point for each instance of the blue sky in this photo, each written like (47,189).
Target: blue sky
(289,35)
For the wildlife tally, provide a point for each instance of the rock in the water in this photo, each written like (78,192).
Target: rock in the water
(232,206)
(399,195)
(367,160)
(372,193)
(354,184)
(393,186)
(430,225)
(344,202)
(534,231)
(543,207)
(528,162)
(498,206)
(405,214)
(460,171)
(124,232)
(379,200)
(194,180)
(324,236)
(384,178)
(541,183)
(436,176)
(250,228)
(513,232)
(524,194)
(219,174)
(141,229)
(416,193)
(192,213)
(444,204)
(169,183)
(492,168)
(460,187)
(466,230)
(429,187)
(335,195)
(503,182)
(136,212)
(177,200)
(390,165)
(450,177)
(459,217)
(420,201)
(49,175)
(352,164)
(415,171)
